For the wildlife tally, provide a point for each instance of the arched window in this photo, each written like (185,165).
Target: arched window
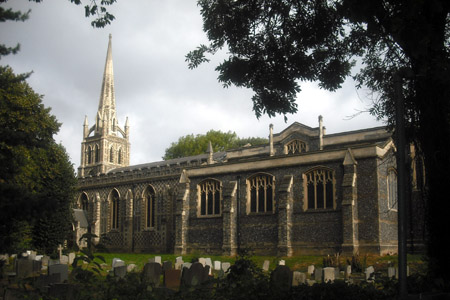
(260,193)
(392,189)
(111,154)
(150,207)
(97,153)
(319,189)
(210,195)
(295,146)
(84,202)
(89,155)
(114,202)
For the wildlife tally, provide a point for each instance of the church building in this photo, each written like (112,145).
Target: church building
(305,192)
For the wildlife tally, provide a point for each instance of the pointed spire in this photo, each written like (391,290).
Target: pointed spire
(107,103)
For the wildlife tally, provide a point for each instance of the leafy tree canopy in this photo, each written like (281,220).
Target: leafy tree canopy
(36,177)
(274,45)
(193,145)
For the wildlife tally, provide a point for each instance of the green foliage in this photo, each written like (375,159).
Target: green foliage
(193,145)
(36,177)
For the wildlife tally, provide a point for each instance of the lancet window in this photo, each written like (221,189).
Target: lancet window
(260,193)
(320,189)
(210,195)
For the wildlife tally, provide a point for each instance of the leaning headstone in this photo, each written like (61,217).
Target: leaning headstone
(298,278)
(217,265)
(64,259)
(167,265)
(282,262)
(172,279)
(281,277)
(71,257)
(225,266)
(369,273)
(24,267)
(311,270)
(61,269)
(120,271)
(266,265)
(318,274)
(328,274)
(152,273)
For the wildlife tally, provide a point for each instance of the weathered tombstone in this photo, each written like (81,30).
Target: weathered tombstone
(370,273)
(266,265)
(328,274)
(64,259)
(167,265)
(298,278)
(202,260)
(391,272)
(131,268)
(53,262)
(282,262)
(179,259)
(156,259)
(318,276)
(217,265)
(311,270)
(208,262)
(152,273)
(225,266)
(195,275)
(120,271)
(117,262)
(61,269)
(281,277)
(172,279)
(71,257)
(24,267)
(178,265)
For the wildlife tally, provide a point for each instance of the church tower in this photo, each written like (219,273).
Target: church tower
(105,145)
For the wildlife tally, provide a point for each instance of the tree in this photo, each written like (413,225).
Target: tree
(37,180)
(193,145)
(274,45)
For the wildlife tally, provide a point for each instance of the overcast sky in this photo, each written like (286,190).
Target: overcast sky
(162,98)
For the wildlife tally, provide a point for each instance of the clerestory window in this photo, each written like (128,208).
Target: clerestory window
(150,207)
(295,146)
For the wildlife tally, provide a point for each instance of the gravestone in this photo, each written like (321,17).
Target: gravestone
(120,271)
(167,265)
(32,254)
(311,270)
(282,262)
(178,265)
(208,262)
(281,277)
(71,257)
(348,270)
(195,275)
(131,268)
(37,266)
(328,274)
(152,273)
(117,262)
(61,269)
(24,267)
(391,272)
(179,259)
(298,278)
(266,265)
(225,266)
(64,259)
(53,262)
(217,265)
(369,271)
(38,257)
(172,279)
(202,260)
(156,259)
(318,274)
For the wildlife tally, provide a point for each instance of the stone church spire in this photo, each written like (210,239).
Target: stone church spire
(108,147)
(106,115)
